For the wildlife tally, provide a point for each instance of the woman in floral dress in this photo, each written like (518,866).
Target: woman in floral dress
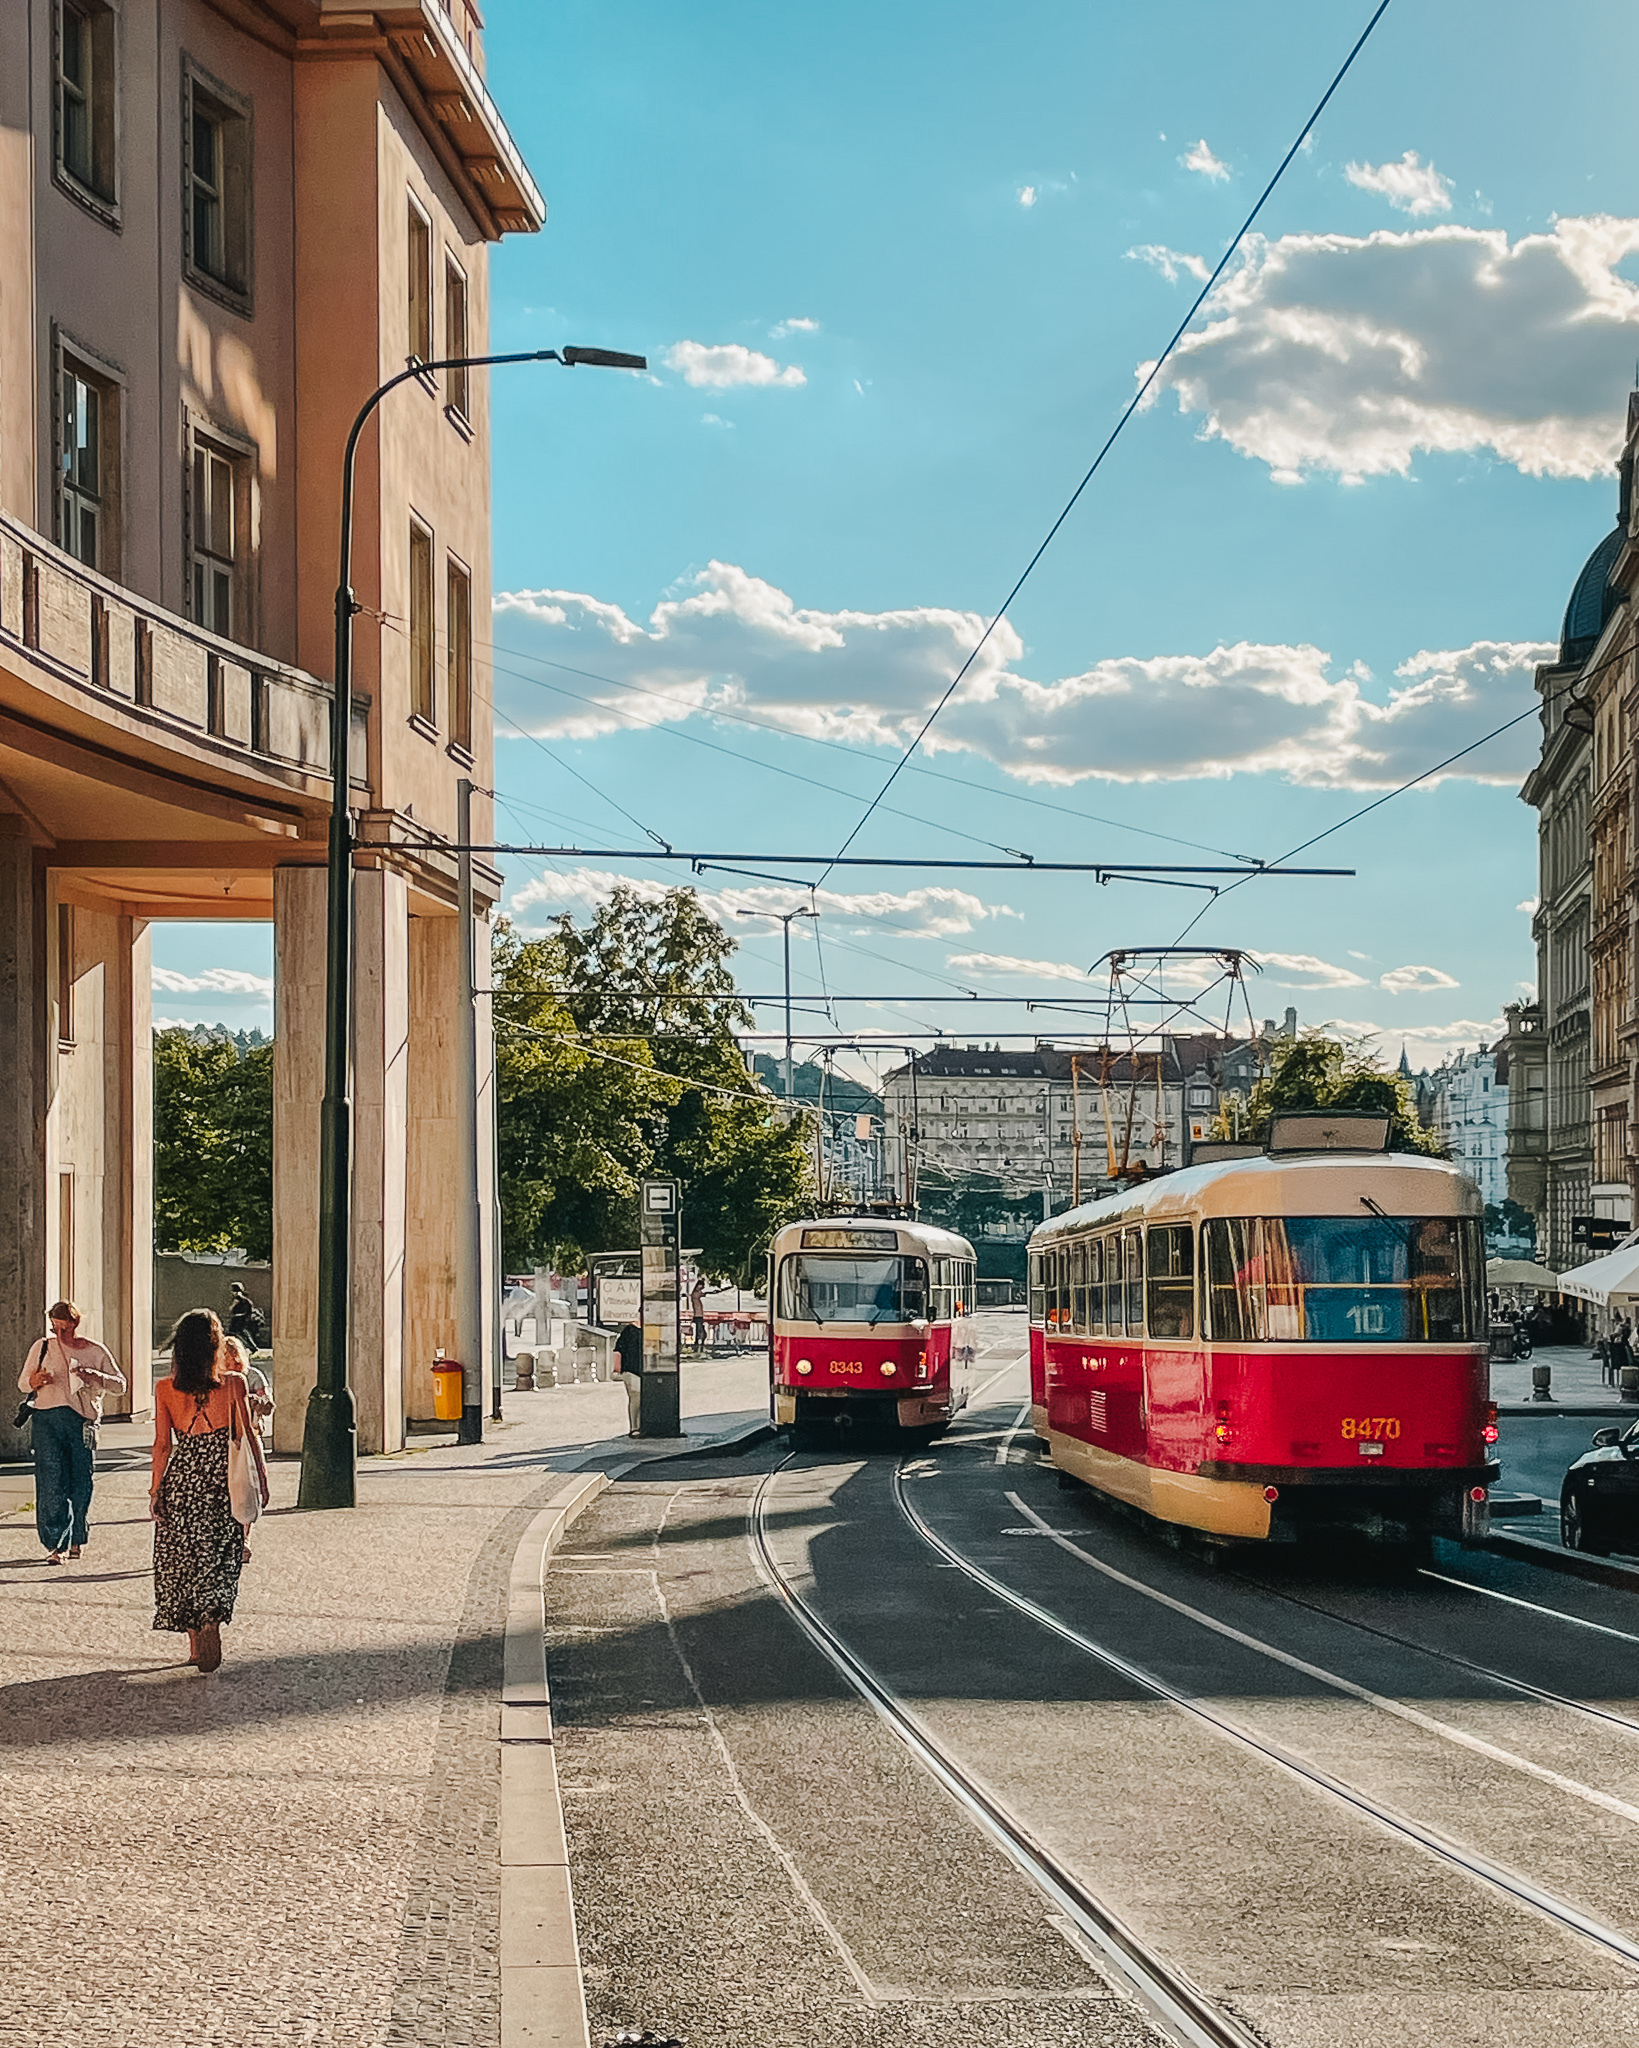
(199,1548)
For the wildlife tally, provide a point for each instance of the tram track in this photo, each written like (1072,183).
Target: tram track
(1473,1864)
(1174,2004)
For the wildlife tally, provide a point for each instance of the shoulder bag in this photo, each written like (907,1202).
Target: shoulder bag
(244,1480)
(25,1407)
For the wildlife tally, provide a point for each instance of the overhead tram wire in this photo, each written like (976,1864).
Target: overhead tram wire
(723,711)
(1132,406)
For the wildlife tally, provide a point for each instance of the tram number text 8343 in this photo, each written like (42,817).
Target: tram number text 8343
(1371,1428)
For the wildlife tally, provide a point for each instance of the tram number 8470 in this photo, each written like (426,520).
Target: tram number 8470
(1371,1428)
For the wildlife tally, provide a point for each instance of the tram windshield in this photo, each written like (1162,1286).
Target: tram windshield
(1339,1280)
(823,1287)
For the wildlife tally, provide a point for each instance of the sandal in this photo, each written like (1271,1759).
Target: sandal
(210,1646)
(73,1550)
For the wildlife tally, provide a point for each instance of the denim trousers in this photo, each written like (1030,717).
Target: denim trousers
(63,1471)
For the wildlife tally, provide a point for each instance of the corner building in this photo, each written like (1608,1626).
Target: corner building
(221,227)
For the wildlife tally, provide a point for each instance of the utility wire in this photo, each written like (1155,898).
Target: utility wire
(1133,404)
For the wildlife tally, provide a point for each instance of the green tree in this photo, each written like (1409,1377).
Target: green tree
(638,1073)
(1314,1072)
(972,1204)
(213,1145)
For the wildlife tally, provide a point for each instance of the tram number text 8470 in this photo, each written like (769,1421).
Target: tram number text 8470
(1371,1428)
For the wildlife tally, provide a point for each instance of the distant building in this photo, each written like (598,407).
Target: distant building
(1469,1111)
(1524,1049)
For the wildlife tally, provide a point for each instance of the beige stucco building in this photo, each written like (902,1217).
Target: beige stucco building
(221,226)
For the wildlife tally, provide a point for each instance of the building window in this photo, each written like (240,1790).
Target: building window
(65,974)
(85,442)
(419,253)
(455,334)
(422,704)
(65,1236)
(216,190)
(85,99)
(213,529)
(458,627)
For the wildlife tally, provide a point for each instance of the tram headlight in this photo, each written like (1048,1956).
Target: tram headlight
(805,1366)
(888,1368)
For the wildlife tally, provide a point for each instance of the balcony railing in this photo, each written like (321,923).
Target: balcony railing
(95,640)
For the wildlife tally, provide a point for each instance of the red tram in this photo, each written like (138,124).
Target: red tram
(1273,1346)
(869,1320)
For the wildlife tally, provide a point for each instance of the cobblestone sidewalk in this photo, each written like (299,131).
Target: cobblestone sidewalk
(301,1848)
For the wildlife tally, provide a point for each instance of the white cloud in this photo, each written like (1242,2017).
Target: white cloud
(1350,355)
(1303,970)
(930,913)
(217,981)
(1172,263)
(1010,964)
(1409,185)
(710,419)
(719,366)
(1530,906)
(796,326)
(1028,195)
(1415,981)
(1198,157)
(1426,1044)
(732,642)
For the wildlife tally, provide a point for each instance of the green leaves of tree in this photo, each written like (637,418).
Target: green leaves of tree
(213,1146)
(620,1081)
(1319,1073)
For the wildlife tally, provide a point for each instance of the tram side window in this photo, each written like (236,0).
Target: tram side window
(1170,1253)
(1132,1242)
(1058,1299)
(939,1289)
(1095,1287)
(1113,1318)
(1078,1289)
(1038,1290)
(1232,1256)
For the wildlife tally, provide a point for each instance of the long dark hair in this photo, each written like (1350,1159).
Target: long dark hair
(196,1352)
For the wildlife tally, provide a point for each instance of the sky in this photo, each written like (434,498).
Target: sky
(897,272)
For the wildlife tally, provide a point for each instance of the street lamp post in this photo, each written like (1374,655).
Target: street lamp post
(329,1437)
(784,917)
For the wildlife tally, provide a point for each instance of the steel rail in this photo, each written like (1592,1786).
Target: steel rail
(1511,1883)
(1183,2013)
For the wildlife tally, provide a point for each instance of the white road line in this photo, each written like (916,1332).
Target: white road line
(1006,1443)
(1535,1607)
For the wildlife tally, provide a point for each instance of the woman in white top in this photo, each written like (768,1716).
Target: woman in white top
(66,1375)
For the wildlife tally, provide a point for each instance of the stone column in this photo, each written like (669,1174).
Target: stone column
(298,1088)
(380,1083)
(22,1116)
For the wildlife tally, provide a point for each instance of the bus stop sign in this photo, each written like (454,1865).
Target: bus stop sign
(659,1408)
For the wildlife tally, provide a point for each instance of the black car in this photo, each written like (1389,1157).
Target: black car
(1599,1501)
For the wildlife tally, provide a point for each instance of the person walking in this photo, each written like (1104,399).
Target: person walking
(199,1548)
(258,1397)
(697,1308)
(244,1318)
(66,1376)
(629,1350)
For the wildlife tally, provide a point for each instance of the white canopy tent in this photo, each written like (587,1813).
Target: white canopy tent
(1615,1277)
(1518,1273)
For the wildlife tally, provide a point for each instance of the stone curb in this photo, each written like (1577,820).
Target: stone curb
(730,1445)
(543,2002)
(1529,1550)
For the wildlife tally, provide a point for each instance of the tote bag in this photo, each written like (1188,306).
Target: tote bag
(244,1481)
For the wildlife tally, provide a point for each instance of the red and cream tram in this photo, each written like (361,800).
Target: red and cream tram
(1272,1346)
(869,1320)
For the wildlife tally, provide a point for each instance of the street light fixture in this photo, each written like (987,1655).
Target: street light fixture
(784,917)
(329,1436)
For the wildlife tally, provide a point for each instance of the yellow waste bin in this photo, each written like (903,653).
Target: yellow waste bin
(447,1390)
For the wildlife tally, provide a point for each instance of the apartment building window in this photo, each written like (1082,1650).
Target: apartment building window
(419,256)
(216,189)
(65,1236)
(82,519)
(86,104)
(213,535)
(458,627)
(423,707)
(65,974)
(455,333)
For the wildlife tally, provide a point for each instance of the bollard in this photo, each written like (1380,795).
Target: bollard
(1630,1382)
(1542,1379)
(524,1372)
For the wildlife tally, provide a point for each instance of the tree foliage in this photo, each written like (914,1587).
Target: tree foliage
(1314,1072)
(638,1074)
(213,1145)
(972,1204)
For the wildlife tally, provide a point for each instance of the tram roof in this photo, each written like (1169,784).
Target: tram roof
(1318,1184)
(912,1237)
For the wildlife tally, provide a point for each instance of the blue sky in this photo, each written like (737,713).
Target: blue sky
(896,270)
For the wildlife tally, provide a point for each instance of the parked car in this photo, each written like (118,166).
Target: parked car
(1599,1501)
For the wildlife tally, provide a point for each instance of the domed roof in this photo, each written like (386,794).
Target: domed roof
(1592,600)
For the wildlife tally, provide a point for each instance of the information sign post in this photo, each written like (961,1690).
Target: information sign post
(659,1412)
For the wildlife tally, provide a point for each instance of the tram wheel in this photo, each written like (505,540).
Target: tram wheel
(1577,1528)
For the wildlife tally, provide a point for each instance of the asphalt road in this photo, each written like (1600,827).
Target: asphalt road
(758,1859)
